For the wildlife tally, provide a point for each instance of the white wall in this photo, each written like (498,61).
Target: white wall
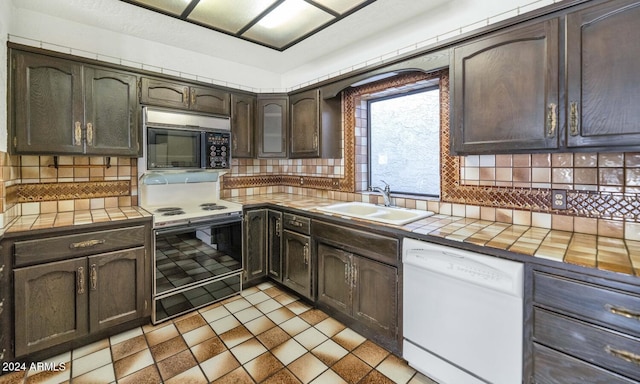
(58,34)
(448,20)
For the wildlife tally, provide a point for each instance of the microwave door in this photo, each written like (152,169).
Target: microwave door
(173,149)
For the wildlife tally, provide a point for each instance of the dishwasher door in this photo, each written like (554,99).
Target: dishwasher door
(463,315)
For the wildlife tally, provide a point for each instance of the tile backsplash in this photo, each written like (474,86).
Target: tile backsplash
(33,185)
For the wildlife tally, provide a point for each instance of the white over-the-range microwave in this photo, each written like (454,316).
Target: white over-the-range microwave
(182,141)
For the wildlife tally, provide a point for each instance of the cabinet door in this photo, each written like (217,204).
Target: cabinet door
(242,125)
(124,270)
(274,245)
(111,120)
(505,91)
(297,263)
(334,278)
(375,296)
(255,251)
(164,93)
(50,304)
(48,105)
(209,100)
(304,134)
(272,127)
(603,50)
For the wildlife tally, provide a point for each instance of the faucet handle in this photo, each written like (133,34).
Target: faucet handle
(386,185)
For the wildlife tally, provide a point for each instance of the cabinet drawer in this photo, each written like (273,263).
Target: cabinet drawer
(82,244)
(297,223)
(378,247)
(613,308)
(593,344)
(553,367)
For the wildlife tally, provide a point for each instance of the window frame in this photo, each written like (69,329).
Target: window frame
(369,141)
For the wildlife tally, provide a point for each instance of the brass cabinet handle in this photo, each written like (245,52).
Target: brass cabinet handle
(354,277)
(552,119)
(2,354)
(623,312)
(185,94)
(1,270)
(305,253)
(93,275)
(77,134)
(193,97)
(86,244)
(89,134)
(346,273)
(624,355)
(315,140)
(235,142)
(574,121)
(1,306)
(80,282)
(278,233)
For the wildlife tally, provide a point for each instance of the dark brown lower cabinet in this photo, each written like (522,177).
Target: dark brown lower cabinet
(274,245)
(361,288)
(297,265)
(254,252)
(61,301)
(585,329)
(359,281)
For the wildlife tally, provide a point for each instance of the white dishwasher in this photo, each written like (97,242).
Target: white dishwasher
(463,314)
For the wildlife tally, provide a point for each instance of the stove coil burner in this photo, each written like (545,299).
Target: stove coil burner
(211,207)
(170,211)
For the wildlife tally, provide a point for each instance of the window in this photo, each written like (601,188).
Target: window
(404,142)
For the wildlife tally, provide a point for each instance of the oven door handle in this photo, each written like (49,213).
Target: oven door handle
(199,224)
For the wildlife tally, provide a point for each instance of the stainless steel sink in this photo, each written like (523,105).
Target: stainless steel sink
(389,215)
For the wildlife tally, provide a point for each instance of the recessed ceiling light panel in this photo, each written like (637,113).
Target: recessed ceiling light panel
(293,19)
(276,24)
(230,16)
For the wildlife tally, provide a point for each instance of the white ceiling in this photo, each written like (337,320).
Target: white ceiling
(373,22)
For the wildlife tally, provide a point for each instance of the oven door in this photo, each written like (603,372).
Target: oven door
(196,265)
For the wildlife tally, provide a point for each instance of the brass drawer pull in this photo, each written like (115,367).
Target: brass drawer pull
(305,253)
(623,312)
(624,355)
(80,281)
(2,354)
(1,306)
(86,244)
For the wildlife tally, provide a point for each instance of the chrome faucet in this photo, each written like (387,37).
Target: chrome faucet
(386,193)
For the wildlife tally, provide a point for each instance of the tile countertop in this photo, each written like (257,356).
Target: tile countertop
(64,219)
(591,251)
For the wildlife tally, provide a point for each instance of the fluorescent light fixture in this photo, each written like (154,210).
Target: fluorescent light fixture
(283,13)
(374,78)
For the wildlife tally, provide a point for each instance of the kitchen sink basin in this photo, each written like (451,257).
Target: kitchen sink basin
(389,215)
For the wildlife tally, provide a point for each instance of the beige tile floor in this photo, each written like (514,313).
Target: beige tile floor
(265,335)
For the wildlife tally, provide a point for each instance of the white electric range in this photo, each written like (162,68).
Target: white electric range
(198,241)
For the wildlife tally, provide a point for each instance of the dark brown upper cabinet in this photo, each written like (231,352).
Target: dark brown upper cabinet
(64,107)
(169,94)
(273,120)
(506,85)
(242,125)
(505,91)
(603,51)
(315,124)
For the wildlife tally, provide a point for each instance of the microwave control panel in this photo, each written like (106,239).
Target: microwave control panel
(218,153)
